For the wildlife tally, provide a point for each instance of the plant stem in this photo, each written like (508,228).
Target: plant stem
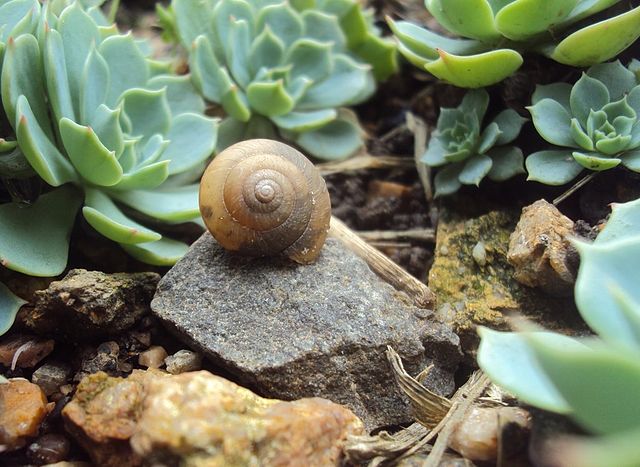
(113,10)
(582,182)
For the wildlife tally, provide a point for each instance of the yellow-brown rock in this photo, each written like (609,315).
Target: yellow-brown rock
(23,406)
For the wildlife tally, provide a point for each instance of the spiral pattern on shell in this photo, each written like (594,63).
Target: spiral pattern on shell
(263,198)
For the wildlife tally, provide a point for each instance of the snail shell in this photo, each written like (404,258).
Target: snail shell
(264,198)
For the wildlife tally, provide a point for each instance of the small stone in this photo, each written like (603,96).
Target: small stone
(540,250)
(66,389)
(104,358)
(90,304)
(183,361)
(51,376)
(24,351)
(476,437)
(49,449)
(293,331)
(23,407)
(153,358)
(479,253)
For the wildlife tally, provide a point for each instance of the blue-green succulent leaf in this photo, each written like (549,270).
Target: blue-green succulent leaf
(128,67)
(267,51)
(489,137)
(148,111)
(283,21)
(171,205)
(102,168)
(208,76)
(507,358)
(435,154)
(164,252)
(595,161)
(510,124)
(446,180)
(631,160)
(323,27)
(153,149)
(613,146)
(106,124)
(338,139)
(144,177)
(94,85)
(617,78)
(552,167)
(507,162)
(553,122)
(559,92)
(305,121)
(192,140)
(475,101)
(104,216)
(586,95)
(9,306)
(581,138)
(34,240)
(238,45)
(474,170)
(182,96)
(14,14)
(190,20)
(624,219)
(56,72)
(310,59)
(269,98)
(223,14)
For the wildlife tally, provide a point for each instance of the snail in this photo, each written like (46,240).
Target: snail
(264,198)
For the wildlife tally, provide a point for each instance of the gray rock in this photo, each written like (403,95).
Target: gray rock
(51,376)
(183,361)
(292,331)
(89,304)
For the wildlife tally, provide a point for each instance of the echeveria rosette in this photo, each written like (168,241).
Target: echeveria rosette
(596,120)
(97,123)
(279,68)
(469,153)
(595,381)
(495,33)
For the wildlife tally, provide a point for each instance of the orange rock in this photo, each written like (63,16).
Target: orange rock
(23,406)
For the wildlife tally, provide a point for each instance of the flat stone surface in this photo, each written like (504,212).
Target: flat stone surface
(292,331)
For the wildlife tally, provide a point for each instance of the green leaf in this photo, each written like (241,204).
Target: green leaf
(507,162)
(171,205)
(148,112)
(586,95)
(192,140)
(580,137)
(305,121)
(164,252)
(599,384)
(9,305)
(34,240)
(106,124)
(269,98)
(182,96)
(143,178)
(523,19)
(267,51)
(475,101)
(93,161)
(153,149)
(559,92)
(283,21)
(435,154)
(238,45)
(381,53)
(42,154)
(16,15)
(236,104)
(94,85)
(336,140)
(208,76)
(56,73)
(223,13)
(510,123)
(631,160)
(104,216)
(192,18)
(507,358)
(467,18)
(623,222)
(474,170)
(553,122)
(552,167)
(323,27)
(475,71)
(595,161)
(489,137)
(446,180)
(618,79)
(612,146)
(310,59)
(127,66)
(599,42)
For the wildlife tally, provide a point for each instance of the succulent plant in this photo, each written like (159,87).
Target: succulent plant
(596,120)
(284,67)
(468,153)
(104,129)
(497,32)
(595,380)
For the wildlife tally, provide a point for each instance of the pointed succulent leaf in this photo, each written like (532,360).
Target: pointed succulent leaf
(586,95)
(310,59)
(56,72)
(164,252)
(208,76)
(129,157)
(269,98)
(613,146)
(267,51)
(599,42)
(624,218)
(489,137)
(552,167)
(93,161)
(581,138)
(238,45)
(475,101)
(617,78)
(42,154)
(153,149)
(467,18)
(223,13)
(236,103)
(127,66)
(633,99)
(510,124)
(594,161)
(22,75)
(9,306)
(148,111)
(475,71)
(305,121)
(104,216)
(192,140)
(181,95)
(34,240)
(507,162)
(524,19)
(13,16)
(381,53)
(552,121)
(446,181)
(94,85)
(336,140)
(475,169)
(190,20)
(106,124)
(323,27)
(631,160)
(559,92)
(435,154)
(171,205)
(619,108)
(145,177)
(352,20)
(586,8)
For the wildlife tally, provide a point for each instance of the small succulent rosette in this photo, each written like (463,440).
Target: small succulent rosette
(595,121)
(105,130)
(284,68)
(466,152)
(496,33)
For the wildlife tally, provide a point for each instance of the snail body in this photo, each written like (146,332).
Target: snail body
(264,198)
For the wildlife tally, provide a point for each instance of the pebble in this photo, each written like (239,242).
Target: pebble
(104,358)
(479,254)
(49,449)
(23,407)
(183,361)
(24,350)
(153,358)
(51,376)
